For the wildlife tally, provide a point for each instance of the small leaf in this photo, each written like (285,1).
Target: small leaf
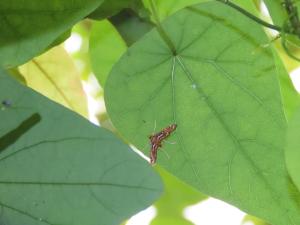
(57,168)
(54,75)
(106,47)
(221,89)
(28,27)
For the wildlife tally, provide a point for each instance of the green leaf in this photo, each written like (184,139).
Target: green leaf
(60,39)
(15,73)
(106,47)
(112,7)
(130,26)
(176,197)
(28,27)
(292,149)
(168,7)
(277,11)
(57,168)
(54,75)
(221,90)
(290,97)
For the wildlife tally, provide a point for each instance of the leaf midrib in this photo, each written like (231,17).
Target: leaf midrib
(80,184)
(56,87)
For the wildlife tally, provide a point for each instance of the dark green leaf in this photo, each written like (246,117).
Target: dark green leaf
(112,7)
(57,168)
(15,73)
(130,26)
(27,28)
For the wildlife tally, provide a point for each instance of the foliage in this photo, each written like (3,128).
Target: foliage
(55,164)
(207,66)
(220,84)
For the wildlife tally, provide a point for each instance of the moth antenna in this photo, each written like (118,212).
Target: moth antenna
(165,152)
(171,143)
(154,126)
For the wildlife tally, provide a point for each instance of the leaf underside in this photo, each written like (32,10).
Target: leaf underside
(221,90)
(28,27)
(58,169)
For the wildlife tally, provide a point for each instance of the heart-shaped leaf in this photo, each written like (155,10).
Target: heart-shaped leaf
(219,85)
(28,27)
(57,168)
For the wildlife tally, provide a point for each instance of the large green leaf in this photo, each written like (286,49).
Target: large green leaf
(106,47)
(166,8)
(221,90)
(57,168)
(293,150)
(28,27)
(54,75)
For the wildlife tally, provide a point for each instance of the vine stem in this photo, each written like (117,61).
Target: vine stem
(161,30)
(294,21)
(251,16)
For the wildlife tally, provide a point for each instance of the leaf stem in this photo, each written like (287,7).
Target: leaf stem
(160,29)
(251,16)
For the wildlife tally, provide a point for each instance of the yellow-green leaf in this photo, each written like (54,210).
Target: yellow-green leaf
(54,75)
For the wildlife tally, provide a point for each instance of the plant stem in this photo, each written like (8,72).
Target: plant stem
(160,29)
(251,16)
